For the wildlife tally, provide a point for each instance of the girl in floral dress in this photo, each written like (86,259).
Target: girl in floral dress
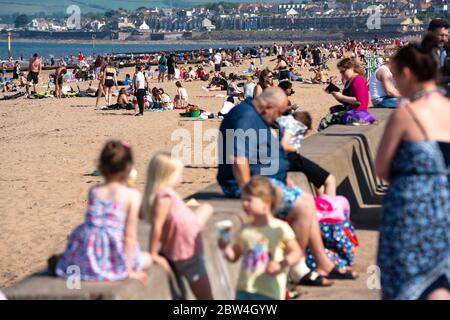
(105,246)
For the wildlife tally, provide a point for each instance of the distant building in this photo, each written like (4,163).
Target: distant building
(144,27)
(97,25)
(5,26)
(411,24)
(39,24)
(125,24)
(207,25)
(292,13)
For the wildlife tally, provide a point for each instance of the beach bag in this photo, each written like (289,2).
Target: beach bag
(353,116)
(338,233)
(340,243)
(330,119)
(332,209)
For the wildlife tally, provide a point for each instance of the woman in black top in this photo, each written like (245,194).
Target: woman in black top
(16,70)
(171,63)
(283,68)
(109,81)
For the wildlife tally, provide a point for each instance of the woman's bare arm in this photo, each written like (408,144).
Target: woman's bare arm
(345,99)
(392,137)
(131,229)
(160,212)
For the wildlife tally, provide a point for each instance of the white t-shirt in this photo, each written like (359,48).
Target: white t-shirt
(217,58)
(140,80)
(376,87)
(226,107)
(295,128)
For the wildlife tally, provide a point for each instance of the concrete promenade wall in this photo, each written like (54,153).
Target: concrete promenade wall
(346,151)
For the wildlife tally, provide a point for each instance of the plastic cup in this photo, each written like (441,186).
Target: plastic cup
(132,178)
(224,228)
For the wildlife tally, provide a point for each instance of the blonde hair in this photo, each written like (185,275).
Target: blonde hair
(163,171)
(260,187)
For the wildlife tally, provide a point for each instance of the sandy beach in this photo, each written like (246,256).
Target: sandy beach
(49,147)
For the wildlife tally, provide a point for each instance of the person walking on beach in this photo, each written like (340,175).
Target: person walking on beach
(414,157)
(109,81)
(139,89)
(34,69)
(162,66)
(261,55)
(171,65)
(100,90)
(217,62)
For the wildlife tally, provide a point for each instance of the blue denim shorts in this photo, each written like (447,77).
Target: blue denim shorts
(290,195)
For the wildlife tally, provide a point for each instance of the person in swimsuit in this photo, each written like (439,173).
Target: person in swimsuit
(16,70)
(59,80)
(34,69)
(109,81)
(282,67)
(100,90)
(414,157)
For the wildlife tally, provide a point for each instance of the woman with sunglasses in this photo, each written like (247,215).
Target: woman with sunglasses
(355,95)
(265,81)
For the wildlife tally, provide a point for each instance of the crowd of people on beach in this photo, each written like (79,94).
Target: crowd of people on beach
(282,241)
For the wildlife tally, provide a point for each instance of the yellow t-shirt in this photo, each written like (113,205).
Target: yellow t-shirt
(259,246)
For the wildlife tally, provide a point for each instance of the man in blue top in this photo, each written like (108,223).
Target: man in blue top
(249,144)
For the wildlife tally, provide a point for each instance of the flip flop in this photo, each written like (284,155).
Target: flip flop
(337,275)
(313,279)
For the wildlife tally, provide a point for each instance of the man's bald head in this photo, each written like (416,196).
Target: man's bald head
(272,103)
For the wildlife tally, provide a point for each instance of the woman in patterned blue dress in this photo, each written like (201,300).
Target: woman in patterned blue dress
(414,156)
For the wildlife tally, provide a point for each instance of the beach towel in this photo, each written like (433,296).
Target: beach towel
(158,109)
(41,95)
(13,96)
